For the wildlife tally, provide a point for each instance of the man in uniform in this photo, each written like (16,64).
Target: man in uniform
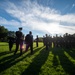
(18,40)
(11,42)
(47,41)
(29,42)
(37,39)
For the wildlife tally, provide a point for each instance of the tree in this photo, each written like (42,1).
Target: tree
(11,33)
(3,33)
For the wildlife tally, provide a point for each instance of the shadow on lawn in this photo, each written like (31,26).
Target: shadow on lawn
(6,52)
(11,60)
(38,62)
(66,64)
(55,60)
(71,52)
(4,45)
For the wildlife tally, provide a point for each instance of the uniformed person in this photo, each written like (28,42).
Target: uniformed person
(18,39)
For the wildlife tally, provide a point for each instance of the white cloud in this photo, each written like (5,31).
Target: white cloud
(73,5)
(3,21)
(37,17)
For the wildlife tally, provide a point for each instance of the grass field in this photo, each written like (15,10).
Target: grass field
(55,61)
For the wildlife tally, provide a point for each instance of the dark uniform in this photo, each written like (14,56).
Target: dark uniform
(37,39)
(43,40)
(18,39)
(47,41)
(50,41)
(29,42)
(11,42)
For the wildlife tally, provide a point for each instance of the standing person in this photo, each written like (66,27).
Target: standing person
(18,40)
(46,41)
(37,39)
(29,42)
(11,42)
(43,40)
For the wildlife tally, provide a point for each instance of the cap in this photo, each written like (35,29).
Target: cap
(20,28)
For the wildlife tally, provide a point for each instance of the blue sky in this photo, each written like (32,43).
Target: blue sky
(39,16)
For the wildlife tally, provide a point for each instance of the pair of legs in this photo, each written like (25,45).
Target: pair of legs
(18,42)
(10,45)
(21,45)
(31,47)
(36,43)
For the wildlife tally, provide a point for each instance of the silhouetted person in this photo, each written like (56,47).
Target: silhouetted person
(29,42)
(50,41)
(18,40)
(37,39)
(46,41)
(11,42)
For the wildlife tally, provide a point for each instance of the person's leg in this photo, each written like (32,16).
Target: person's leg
(27,46)
(21,47)
(17,46)
(37,44)
(9,46)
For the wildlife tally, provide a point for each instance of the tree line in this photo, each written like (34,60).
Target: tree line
(4,33)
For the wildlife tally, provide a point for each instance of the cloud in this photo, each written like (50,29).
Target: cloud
(73,5)
(3,21)
(40,18)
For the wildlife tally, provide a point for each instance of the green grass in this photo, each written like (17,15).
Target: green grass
(55,61)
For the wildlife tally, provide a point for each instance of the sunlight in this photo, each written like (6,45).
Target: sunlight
(69,57)
(52,45)
(54,28)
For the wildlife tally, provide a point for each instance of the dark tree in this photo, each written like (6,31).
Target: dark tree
(3,33)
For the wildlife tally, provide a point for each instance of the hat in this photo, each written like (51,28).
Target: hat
(20,28)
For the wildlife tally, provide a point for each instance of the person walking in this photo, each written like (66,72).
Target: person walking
(29,42)
(18,40)
(47,41)
(11,42)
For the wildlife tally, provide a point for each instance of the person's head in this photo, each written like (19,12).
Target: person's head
(30,32)
(37,36)
(46,35)
(20,28)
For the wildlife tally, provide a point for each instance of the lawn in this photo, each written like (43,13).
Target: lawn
(55,61)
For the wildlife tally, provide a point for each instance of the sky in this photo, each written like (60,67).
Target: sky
(39,16)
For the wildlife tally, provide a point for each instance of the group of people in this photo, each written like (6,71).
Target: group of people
(65,41)
(20,40)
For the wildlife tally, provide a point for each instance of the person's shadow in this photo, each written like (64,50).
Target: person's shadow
(63,60)
(9,61)
(37,63)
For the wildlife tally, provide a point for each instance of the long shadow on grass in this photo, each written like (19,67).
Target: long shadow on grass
(55,60)
(66,64)
(11,56)
(71,52)
(12,60)
(37,63)
(4,45)
(6,52)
